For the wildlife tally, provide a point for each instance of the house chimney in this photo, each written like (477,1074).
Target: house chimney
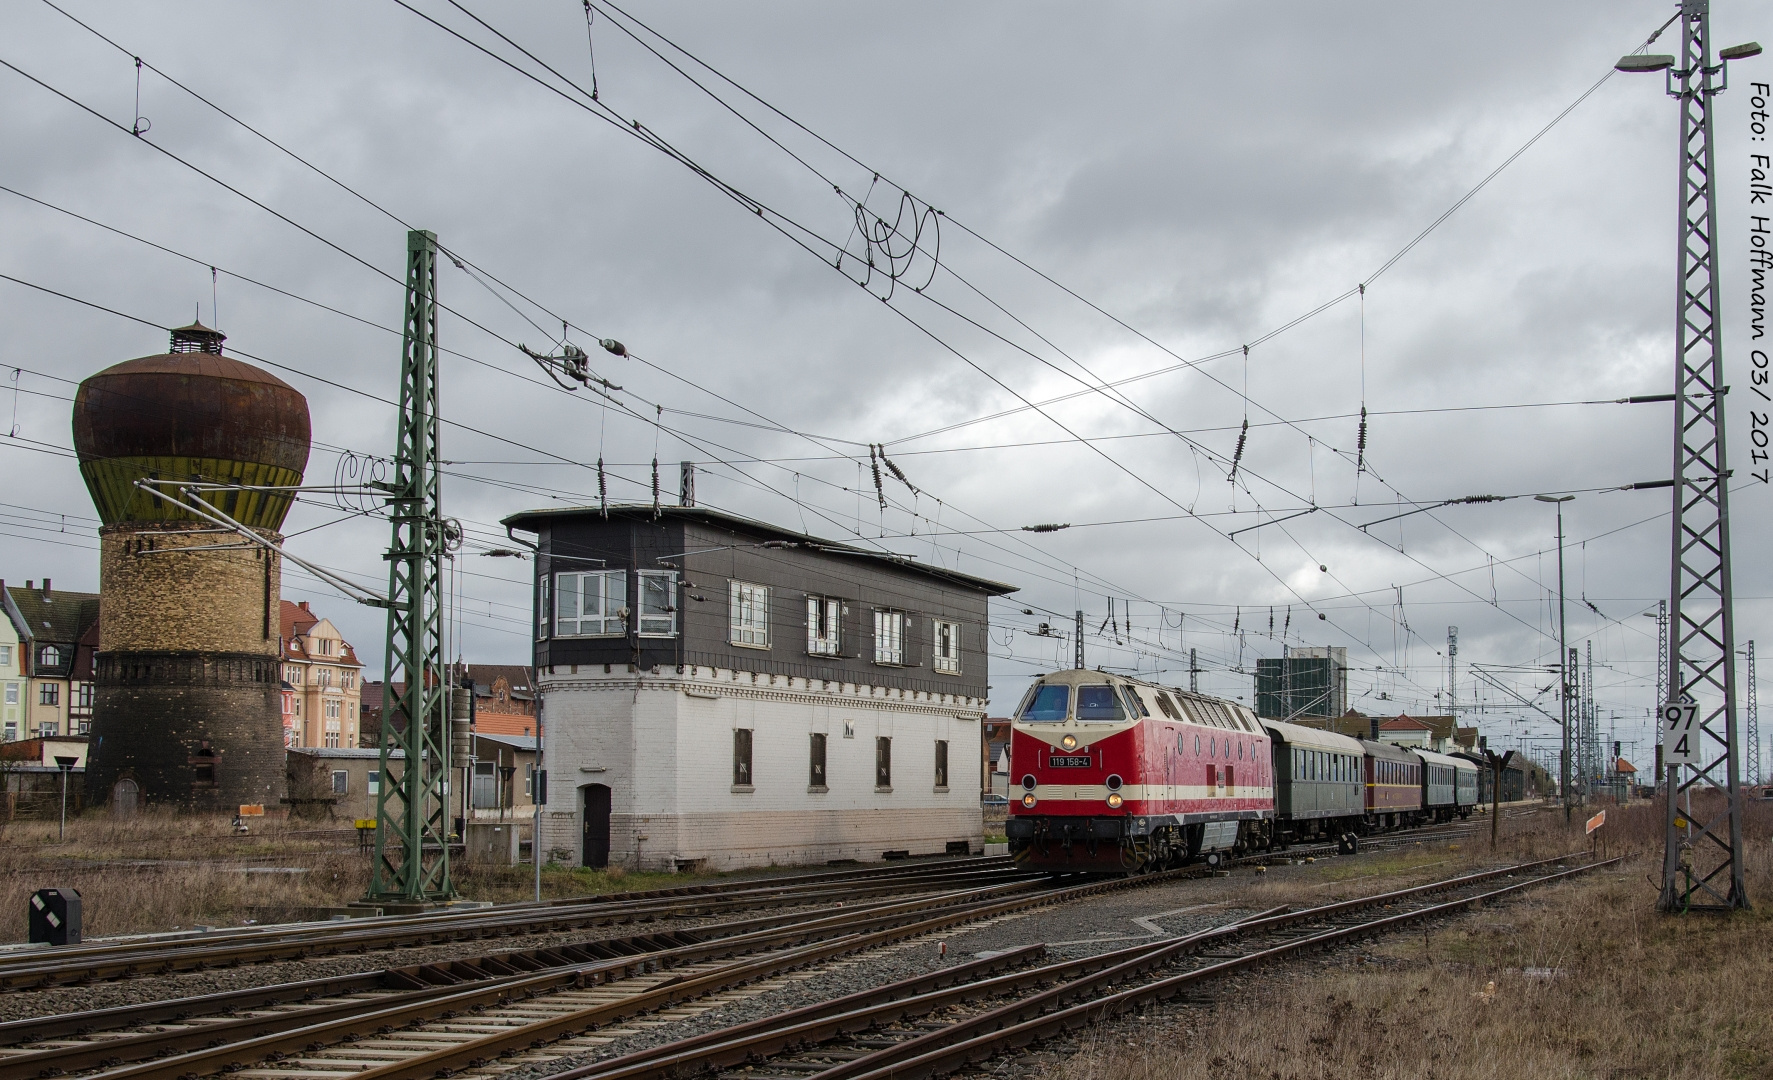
(29,584)
(303,605)
(45,588)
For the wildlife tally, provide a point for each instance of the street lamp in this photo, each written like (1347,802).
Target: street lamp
(1563,656)
(64,763)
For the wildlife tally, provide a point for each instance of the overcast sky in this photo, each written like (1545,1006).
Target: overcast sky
(1203,173)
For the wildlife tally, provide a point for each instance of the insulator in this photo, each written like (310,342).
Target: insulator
(614,346)
(602,489)
(1360,444)
(1238,455)
(874,463)
(655,487)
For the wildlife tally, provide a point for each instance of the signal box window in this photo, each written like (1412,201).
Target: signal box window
(742,757)
(945,642)
(341,781)
(1049,704)
(941,764)
(824,621)
(883,764)
(658,607)
(749,607)
(889,637)
(815,778)
(591,604)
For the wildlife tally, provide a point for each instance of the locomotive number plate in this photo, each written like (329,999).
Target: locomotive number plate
(1079,762)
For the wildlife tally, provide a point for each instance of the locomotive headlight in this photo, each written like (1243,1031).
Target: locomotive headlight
(1114,800)
(1069,742)
(1028,800)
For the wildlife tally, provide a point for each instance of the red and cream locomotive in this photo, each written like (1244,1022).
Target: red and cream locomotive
(1111,774)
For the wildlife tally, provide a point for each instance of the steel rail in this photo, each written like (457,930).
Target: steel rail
(818,1023)
(122,961)
(893,922)
(750,936)
(638,900)
(935,1054)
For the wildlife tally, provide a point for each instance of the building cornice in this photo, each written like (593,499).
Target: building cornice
(714,683)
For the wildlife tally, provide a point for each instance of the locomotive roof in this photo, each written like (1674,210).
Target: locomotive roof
(1311,738)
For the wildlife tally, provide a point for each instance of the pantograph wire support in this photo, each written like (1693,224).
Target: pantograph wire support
(1702,865)
(412,829)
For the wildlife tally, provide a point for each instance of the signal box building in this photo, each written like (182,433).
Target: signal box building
(720,692)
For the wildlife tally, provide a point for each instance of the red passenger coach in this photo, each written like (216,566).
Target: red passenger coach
(1394,786)
(1114,774)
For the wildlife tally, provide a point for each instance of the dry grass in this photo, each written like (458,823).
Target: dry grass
(1583,980)
(161,872)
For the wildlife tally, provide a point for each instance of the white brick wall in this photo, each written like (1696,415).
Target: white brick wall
(663,743)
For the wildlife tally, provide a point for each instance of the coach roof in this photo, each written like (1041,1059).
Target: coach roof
(1309,738)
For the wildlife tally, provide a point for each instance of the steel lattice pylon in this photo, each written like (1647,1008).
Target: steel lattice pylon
(1702,861)
(412,834)
(1751,712)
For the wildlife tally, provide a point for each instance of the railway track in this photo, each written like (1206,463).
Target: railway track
(404,1018)
(246,945)
(482,1017)
(906,1031)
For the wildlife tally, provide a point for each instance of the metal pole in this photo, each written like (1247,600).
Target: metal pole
(1078,647)
(1564,667)
(1702,856)
(62,833)
(412,828)
(536,795)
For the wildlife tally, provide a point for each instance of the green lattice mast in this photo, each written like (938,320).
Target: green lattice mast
(412,833)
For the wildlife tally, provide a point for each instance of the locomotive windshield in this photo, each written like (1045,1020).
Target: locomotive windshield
(1099,703)
(1048,704)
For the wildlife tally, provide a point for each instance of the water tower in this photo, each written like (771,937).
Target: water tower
(187,711)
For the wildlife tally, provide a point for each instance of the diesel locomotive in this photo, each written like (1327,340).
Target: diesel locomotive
(1118,775)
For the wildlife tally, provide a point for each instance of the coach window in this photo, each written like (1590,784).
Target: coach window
(742,759)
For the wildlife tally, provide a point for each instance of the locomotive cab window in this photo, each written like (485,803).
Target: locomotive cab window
(1099,704)
(1049,704)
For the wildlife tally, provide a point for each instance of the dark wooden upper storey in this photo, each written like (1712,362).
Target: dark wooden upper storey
(690,586)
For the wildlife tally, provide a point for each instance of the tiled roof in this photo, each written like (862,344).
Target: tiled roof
(1405,723)
(59,617)
(295,622)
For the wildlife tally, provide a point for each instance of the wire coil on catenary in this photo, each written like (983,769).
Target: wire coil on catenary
(354,478)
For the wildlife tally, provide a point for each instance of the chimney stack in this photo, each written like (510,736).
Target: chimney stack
(45,588)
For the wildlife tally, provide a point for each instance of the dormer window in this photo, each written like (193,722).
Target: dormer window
(50,656)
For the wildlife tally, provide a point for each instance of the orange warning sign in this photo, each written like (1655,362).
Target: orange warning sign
(1597,821)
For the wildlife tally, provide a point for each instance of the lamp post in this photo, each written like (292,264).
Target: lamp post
(1564,664)
(1702,637)
(64,763)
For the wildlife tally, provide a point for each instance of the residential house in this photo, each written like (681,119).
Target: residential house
(50,626)
(12,684)
(323,675)
(504,699)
